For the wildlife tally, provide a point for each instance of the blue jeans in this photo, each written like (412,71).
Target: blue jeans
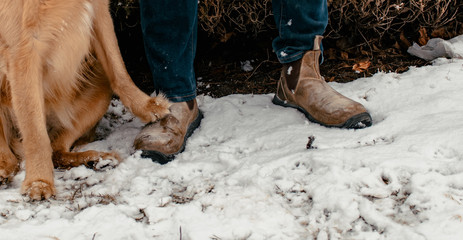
(298,22)
(169,30)
(170,34)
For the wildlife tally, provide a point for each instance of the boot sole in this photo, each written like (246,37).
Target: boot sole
(162,158)
(358,121)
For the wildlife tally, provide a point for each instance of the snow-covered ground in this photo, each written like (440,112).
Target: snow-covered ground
(247,174)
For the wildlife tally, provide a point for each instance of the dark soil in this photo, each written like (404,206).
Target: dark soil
(219,72)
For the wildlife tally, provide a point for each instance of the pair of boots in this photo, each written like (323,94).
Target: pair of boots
(300,86)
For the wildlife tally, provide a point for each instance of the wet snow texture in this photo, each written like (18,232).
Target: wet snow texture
(246,173)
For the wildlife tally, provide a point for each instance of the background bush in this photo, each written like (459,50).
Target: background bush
(356,21)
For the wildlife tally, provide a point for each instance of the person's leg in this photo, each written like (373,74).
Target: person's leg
(170,32)
(298,47)
(298,23)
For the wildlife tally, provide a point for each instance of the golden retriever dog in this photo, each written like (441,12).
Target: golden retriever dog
(59,66)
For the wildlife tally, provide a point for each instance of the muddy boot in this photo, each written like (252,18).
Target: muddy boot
(164,139)
(302,87)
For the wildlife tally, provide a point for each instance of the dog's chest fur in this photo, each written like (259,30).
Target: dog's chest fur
(63,35)
(62,32)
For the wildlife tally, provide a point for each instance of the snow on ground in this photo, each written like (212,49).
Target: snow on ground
(246,173)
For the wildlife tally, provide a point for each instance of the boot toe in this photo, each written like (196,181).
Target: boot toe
(359,121)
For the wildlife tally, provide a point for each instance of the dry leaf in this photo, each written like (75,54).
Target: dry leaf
(345,65)
(361,66)
(226,37)
(440,33)
(330,79)
(310,143)
(424,38)
(364,52)
(344,55)
(404,40)
(330,54)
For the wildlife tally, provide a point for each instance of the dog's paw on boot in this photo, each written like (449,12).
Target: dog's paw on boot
(150,109)
(163,139)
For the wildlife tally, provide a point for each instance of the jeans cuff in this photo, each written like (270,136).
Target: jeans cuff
(287,58)
(181,97)
(295,56)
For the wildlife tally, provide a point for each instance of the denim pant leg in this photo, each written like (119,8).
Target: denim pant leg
(170,33)
(298,22)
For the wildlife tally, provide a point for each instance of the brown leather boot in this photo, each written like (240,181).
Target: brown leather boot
(164,139)
(302,87)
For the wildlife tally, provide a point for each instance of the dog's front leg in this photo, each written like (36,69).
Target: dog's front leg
(108,53)
(28,104)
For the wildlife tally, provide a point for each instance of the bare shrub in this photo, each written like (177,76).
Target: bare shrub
(378,18)
(357,19)
(224,18)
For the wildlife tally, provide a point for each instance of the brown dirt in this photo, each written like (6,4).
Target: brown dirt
(220,71)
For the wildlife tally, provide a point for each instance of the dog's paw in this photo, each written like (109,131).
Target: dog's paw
(4,177)
(8,168)
(38,190)
(105,161)
(156,108)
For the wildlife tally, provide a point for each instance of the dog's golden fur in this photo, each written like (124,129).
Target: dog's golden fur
(59,65)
